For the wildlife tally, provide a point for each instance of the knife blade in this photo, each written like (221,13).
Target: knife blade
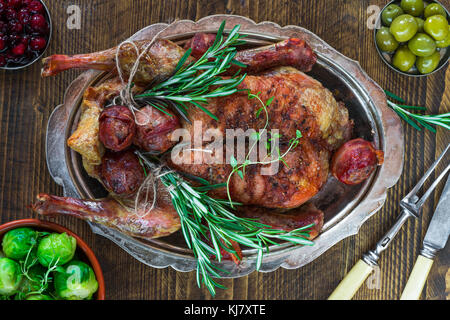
(439,228)
(435,239)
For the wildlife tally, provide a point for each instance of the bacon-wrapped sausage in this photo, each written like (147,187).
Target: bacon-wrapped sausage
(116,128)
(121,172)
(355,161)
(154,130)
(200,43)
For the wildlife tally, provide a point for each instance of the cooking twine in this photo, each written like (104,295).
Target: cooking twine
(125,93)
(149,184)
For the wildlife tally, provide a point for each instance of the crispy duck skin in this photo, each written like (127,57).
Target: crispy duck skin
(162,221)
(300,103)
(85,139)
(291,220)
(163,56)
(156,65)
(290,52)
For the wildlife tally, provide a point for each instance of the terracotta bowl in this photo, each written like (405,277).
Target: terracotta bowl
(87,254)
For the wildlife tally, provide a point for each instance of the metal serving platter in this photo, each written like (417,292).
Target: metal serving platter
(346,208)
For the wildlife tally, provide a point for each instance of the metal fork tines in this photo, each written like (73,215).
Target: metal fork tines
(412,202)
(411,206)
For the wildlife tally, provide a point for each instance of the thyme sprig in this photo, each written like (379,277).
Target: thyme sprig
(206,220)
(40,282)
(200,80)
(269,158)
(417,120)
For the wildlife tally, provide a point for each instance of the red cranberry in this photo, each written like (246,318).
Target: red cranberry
(19,50)
(10,14)
(36,6)
(38,23)
(14,39)
(25,40)
(2,44)
(24,15)
(9,55)
(15,26)
(2,7)
(3,26)
(2,61)
(38,43)
(26,3)
(14,3)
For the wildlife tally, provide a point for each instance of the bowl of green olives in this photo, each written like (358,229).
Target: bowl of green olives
(413,36)
(41,260)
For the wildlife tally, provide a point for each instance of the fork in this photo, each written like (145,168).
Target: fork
(411,206)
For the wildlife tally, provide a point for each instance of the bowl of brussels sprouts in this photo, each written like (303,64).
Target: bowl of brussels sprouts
(41,260)
(413,36)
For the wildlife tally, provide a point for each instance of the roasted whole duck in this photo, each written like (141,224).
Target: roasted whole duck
(107,136)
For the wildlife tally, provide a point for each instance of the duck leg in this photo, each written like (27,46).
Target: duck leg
(161,221)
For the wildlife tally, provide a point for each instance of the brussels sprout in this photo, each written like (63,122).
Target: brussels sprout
(76,281)
(56,249)
(18,242)
(10,276)
(39,297)
(2,255)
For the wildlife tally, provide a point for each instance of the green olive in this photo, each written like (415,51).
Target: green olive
(412,7)
(422,45)
(391,12)
(437,27)
(434,9)
(428,64)
(403,59)
(385,40)
(446,42)
(420,23)
(404,27)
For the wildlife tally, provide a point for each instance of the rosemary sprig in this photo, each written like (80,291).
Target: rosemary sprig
(417,120)
(196,83)
(205,219)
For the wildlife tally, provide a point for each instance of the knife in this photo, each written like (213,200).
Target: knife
(435,240)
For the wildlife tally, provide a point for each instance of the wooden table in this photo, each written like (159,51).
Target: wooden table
(26,101)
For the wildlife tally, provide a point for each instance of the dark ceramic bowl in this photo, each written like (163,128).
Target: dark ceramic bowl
(387,57)
(83,249)
(14,66)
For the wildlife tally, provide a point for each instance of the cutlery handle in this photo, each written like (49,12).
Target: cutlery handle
(352,281)
(417,279)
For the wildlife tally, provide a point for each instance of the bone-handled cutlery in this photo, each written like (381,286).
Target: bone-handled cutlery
(411,207)
(435,240)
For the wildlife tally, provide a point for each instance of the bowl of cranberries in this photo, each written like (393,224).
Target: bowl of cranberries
(25,31)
